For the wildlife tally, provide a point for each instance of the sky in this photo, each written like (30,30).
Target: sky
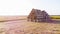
(24,7)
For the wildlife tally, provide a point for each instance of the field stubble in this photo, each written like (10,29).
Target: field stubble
(25,27)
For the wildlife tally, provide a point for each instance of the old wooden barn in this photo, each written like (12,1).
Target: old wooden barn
(38,16)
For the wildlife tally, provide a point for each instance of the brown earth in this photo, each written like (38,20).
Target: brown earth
(22,26)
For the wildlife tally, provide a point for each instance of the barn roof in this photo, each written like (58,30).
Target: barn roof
(38,12)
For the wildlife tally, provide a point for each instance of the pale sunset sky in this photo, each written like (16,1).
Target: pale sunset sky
(24,7)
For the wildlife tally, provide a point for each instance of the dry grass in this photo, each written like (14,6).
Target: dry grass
(3,18)
(39,28)
(2,30)
(55,16)
(36,28)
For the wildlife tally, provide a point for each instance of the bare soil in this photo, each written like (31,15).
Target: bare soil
(22,26)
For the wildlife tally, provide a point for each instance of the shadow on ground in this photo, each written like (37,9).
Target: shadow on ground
(54,21)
